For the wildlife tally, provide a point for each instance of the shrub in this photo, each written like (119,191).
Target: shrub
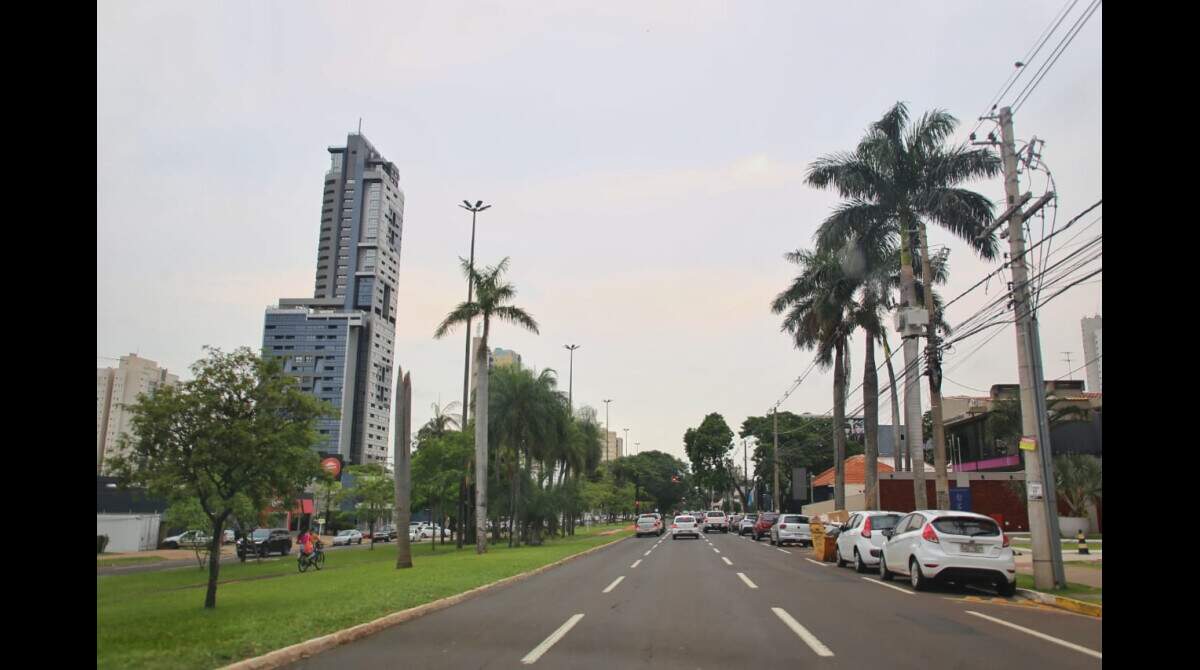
(101,543)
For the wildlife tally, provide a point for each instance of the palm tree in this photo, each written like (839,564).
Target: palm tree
(443,418)
(820,317)
(903,175)
(491,294)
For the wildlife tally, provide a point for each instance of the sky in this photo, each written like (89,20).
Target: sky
(645,163)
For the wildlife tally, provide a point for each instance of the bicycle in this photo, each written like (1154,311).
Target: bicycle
(316,560)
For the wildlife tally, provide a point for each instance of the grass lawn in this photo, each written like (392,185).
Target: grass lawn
(1094,565)
(158,620)
(1066,544)
(128,560)
(1076,591)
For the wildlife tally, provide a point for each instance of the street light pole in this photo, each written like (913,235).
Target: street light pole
(637,447)
(626,442)
(571,379)
(474,210)
(606,431)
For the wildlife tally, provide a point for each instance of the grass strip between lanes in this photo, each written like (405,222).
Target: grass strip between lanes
(1073,590)
(102,562)
(157,620)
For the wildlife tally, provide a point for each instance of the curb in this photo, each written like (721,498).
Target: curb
(301,650)
(1062,602)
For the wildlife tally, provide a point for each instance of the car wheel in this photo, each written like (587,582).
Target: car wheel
(859,566)
(1007,589)
(674,537)
(885,574)
(837,555)
(919,583)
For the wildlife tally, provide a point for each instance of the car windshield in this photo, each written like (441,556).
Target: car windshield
(965,525)
(685,519)
(260,534)
(751,517)
(770,517)
(712,515)
(884,521)
(344,533)
(795,518)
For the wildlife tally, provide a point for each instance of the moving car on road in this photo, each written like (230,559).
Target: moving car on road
(685,524)
(348,537)
(385,534)
(762,527)
(861,540)
(265,541)
(949,546)
(649,524)
(192,538)
(746,525)
(716,521)
(791,529)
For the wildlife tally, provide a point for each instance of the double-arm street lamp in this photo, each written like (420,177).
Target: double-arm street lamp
(474,210)
(571,379)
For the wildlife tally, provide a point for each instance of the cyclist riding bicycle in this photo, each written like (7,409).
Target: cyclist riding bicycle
(306,542)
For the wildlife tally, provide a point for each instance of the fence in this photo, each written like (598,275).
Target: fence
(129,532)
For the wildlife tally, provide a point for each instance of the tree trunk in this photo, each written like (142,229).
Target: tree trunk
(481,441)
(214,561)
(402,455)
(898,442)
(461,525)
(839,426)
(871,425)
(942,480)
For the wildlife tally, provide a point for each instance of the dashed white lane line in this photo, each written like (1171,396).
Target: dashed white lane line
(809,639)
(1048,638)
(647,552)
(747,580)
(716,550)
(890,586)
(785,551)
(824,565)
(635,563)
(612,586)
(557,635)
(727,561)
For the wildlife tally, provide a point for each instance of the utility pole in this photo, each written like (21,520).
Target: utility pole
(745,477)
(626,443)
(606,431)
(912,400)
(1039,464)
(571,379)
(934,364)
(775,490)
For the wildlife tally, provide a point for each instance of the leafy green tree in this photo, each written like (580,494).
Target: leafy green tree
(438,466)
(375,492)
(240,430)
(1078,481)
(491,297)
(707,447)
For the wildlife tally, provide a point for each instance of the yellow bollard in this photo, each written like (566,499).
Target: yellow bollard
(1082,542)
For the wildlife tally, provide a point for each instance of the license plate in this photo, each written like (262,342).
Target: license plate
(972,548)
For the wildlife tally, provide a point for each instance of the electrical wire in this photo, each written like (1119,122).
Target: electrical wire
(1055,55)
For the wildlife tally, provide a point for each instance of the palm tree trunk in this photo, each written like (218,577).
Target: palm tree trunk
(839,426)
(912,368)
(462,514)
(871,425)
(481,441)
(402,440)
(942,485)
(898,452)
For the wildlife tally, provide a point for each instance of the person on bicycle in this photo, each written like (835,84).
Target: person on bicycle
(305,541)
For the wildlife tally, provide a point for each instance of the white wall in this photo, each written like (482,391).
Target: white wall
(129,532)
(855,502)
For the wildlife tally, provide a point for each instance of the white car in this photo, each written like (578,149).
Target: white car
(685,524)
(861,540)
(348,537)
(791,528)
(191,538)
(648,524)
(949,546)
(428,530)
(716,521)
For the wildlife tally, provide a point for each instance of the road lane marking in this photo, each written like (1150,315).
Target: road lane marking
(809,639)
(612,586)
(647,552)
(557,635)
(785,551)
(635,563)
(747,580)
(716,550)
(824,565)
(1048,638)
(727,561)
(890,586)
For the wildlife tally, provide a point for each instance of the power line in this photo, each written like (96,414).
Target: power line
(1063,44)
(1087,363)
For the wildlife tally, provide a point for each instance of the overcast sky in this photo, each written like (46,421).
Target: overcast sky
(644,162)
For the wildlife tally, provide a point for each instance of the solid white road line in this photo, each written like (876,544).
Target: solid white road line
(612,586)
(647,552)
(747,580)
(785,551)
(635,563)
(1048,638)
(557,635)
(890,586)
(716,550)
(808,637)
(824,565)
(727,561)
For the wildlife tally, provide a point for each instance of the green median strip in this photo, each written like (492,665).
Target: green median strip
(102,562)
(1076,591)
(157,620)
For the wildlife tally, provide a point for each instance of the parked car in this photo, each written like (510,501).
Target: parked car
(746,525)
(266,541)
(734,520)
(648,524)
(685,524)
(762,527)
(348,537)
(791,529)
(385,534)
(431,530)
(949,546)
(716,521)
(861,540)
(228,536)
(191,538)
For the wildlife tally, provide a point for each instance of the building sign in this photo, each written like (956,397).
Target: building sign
(1028,443)
(332,465)
(1034,490)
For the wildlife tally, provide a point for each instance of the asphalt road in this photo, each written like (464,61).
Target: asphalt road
(724,602)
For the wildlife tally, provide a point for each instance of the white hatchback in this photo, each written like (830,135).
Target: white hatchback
(950,546)
(861,538)
(685,524)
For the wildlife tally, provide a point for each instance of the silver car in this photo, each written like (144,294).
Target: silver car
(791,529)
(685,524)
(746,525)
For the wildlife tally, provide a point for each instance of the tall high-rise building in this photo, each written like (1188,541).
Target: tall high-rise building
(339,343)
(116,389)
(503,358)
(611,446)
(1093,350)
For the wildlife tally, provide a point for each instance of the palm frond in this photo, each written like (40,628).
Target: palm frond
(930,131)
(461,314)
(517,316)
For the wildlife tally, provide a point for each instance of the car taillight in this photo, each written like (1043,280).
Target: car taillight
(674,525)
(1006,539)
(866,528)
(928,535)
(783,526)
